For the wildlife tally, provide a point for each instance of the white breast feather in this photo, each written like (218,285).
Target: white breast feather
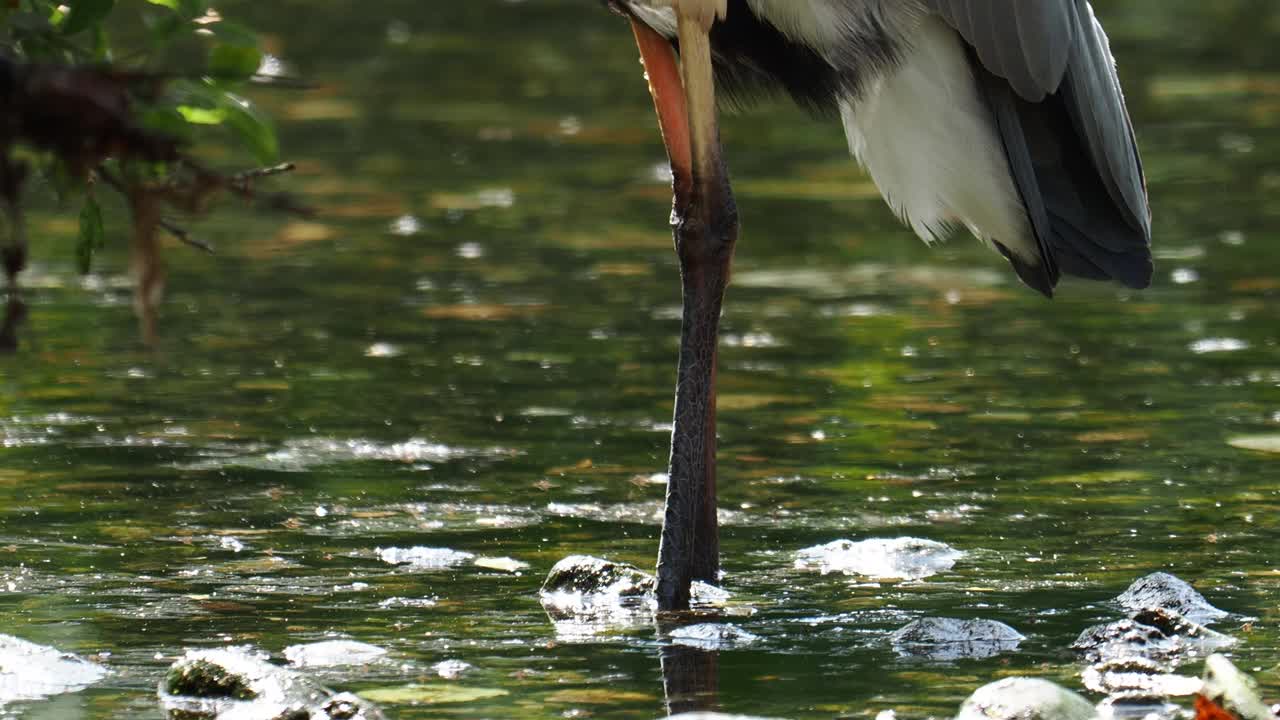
(930,144)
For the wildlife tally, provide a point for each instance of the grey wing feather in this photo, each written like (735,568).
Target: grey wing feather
(1099,111)
(1027,42)
(1051,81)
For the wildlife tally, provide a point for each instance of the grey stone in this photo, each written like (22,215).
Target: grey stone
(1163,591)
(1138,679)
(713,636)
(954,639)
(1156,634)
(586,597)
(586,575)
(1025,699)
(240,684)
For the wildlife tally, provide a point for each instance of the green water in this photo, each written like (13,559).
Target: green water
(474,349)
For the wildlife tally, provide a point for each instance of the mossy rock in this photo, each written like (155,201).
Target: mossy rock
(205,679)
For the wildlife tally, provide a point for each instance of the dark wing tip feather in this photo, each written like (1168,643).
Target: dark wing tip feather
(1037,276)
(1071,147)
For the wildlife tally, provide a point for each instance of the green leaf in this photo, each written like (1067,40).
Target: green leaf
(101,46)
(166,121)
(92,234)
(201,116)
(205,103)
(234,62)
(252,126)
(86,14)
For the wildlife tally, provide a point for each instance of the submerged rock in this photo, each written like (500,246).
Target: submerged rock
(424,558)
(904,558)
(1025,699)
(1162,591)
(451,669)
(1232,690)
(1139,707)
(333,653)
(33,672)
(953,639)
(238,684)
(713,636)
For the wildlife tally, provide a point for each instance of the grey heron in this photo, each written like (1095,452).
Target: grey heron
(1004,117)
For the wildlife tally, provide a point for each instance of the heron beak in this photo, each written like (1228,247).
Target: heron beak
(684,97)
(667,89)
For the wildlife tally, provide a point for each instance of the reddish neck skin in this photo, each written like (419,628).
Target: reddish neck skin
(705,227)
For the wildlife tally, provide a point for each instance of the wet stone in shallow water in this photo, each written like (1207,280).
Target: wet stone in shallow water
(1025,699)
(1162,591)
(586,596)
(451,669)
(586,575)
(713,636)
(333,653)
(903,558)
(239,684)
(954,639)
(424,558)
(33,672)
(1152,634)
(1137,679)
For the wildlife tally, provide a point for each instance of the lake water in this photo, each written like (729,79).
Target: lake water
(473,348)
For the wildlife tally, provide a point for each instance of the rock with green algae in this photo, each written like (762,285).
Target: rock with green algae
(588,596)
(582,580)
(240,684)
(1025,699)
(586,575)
